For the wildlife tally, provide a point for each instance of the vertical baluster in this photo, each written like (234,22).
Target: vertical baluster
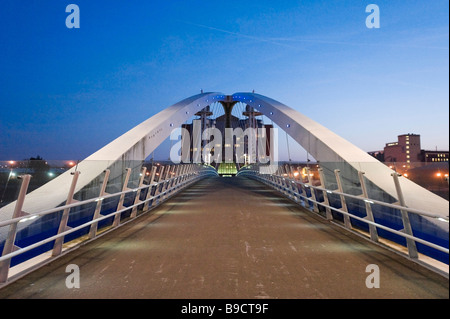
(166,182)
(11,237)
(122,198)
(347,221)
(311,189)
(150,188)
(94,226)
(138,192)
(158,187)
(57,248)
(328,214)
(302,186)
(411,244)
(372,228)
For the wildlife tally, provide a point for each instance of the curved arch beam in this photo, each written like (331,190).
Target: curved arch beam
(135,145)
(139,142)
(330,149)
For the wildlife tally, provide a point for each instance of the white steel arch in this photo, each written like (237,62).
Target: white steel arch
(334,151)
(135,145)
(139,142)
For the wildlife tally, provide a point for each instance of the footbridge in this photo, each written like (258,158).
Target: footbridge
(211,224)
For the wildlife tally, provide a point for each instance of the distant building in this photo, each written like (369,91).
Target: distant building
(407,150)
(379,155)
(434,156)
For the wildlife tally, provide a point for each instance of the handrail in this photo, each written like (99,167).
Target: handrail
(67,232)
(283,184)
(185,176)
(86,201)
(372,201)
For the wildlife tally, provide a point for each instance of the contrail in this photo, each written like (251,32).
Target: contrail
(239,34)
(276,41)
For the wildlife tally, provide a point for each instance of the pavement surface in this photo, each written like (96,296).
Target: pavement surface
(230,238)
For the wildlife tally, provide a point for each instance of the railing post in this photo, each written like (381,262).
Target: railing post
(293,183)
(166,182)
(150,188)
(11,237)
(283,181)
(176,178)
(158,187)
(120,206)
(138,192)
(347,221)
(372,228)
(328,213)
(57,247)
(411,244)
(302,186)
(94,226)
(313,193)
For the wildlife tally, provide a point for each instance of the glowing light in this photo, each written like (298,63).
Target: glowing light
(296,174)
(438,174)
(28,218)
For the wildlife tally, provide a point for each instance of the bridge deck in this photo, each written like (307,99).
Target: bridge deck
(230,238)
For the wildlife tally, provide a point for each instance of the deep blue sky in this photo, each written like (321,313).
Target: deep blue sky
(64,93)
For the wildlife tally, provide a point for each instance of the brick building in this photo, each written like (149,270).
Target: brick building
(405,150)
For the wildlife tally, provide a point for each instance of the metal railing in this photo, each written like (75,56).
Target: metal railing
(164,182)
(288,182)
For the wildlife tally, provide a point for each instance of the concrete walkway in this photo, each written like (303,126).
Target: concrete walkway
(230,238)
